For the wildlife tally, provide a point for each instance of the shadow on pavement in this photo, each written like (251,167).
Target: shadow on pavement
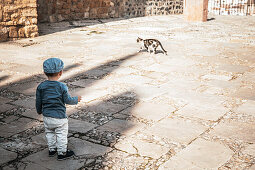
(98,123)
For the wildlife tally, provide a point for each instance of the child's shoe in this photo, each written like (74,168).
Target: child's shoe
(52,153)
(65,155)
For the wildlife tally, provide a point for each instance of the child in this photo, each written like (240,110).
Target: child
(51,97)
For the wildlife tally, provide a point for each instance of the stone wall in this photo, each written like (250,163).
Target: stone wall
(59,10)
(18,19)
(134,8)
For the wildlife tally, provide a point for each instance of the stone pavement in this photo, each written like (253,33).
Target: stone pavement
(191,109)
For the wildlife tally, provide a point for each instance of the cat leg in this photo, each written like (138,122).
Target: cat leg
(154,50)
(148,49)
(141,48)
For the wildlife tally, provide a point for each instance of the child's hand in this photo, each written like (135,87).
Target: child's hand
(79,98)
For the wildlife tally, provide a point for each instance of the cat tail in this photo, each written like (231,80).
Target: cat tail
(163,48)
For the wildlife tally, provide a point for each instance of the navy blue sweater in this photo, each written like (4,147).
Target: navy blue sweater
(51,97)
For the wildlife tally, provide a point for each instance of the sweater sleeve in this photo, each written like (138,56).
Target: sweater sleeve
(38,102)
(67,98)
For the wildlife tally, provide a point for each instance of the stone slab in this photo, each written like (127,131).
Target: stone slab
(89,94)
(147,93)
(18,126)
(27,103)
(248,76)
(125,71)
(28,88)
(235,130)
(246,93)
(84,82)
(225,85)
(42,160)
(79,125)
(250,150)
(6,156)
(10,119)
(70,110)
(191,96)
(32,166)
(200,154)
(6,107)
(233,68)
(212,113)
(85,148)
(216,77)
(252,167)
(176,130)
(247,108)
(133,80)
(142,148)
(31,113)
(40,139)
(158,68)
(105,107)
(96,72)
(121,126)
(4,100)
(151,111)
(22,68)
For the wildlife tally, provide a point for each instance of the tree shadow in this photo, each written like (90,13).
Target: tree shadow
(101,115)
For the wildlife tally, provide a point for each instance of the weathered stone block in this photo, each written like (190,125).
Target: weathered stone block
(80,126)
(31,113)
(31,31)
(6,156)
(27,88)
(177,130)
(80,5)
(200,154)
(213,113)
(21,32)
(27,103)
(103,10)
(247,108)
(52,18)
(150,111)
(1,15)
(29,12)
(3,34)
(86,15)
(18,126)
(235,130)
(5,107)
(141,147)
(13,32)
(43,161)
(84,148)
(121,126)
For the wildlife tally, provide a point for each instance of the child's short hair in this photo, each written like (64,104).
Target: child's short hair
(51,74)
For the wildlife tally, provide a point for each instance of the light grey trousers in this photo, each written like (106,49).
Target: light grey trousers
(56,133)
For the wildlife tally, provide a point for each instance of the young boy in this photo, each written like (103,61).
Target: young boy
(51,97)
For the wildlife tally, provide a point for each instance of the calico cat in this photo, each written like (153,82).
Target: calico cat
(149,44)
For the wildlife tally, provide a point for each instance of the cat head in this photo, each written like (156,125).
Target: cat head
(139,39)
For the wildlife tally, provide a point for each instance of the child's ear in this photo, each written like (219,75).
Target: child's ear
(60,73)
